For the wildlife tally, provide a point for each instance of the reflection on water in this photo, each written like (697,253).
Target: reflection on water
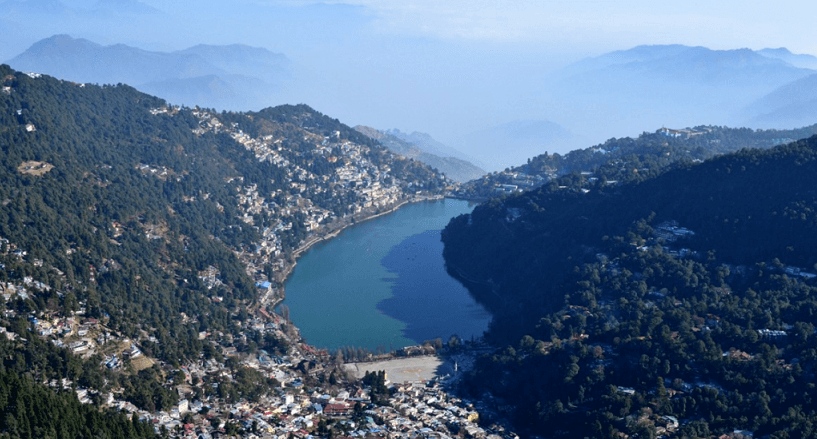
(383,283)
(425,297)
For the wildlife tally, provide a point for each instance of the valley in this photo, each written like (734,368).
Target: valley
(162,263)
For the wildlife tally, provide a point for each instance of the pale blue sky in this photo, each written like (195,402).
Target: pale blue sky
(601,25)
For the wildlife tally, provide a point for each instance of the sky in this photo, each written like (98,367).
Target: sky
(599,25)
(447,68)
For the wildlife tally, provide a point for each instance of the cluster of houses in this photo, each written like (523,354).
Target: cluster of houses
(293,410)
(417,409)
(507,182)
(499,183)
(683,133)
(354,177)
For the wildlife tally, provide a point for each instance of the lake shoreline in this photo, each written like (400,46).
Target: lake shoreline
(287,272)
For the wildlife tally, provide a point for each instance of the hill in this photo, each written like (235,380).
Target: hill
(797,60)
(674,305)
(210,76)
(139,234)
(456,169)
(430,145)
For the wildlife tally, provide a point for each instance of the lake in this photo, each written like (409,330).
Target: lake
(382,283)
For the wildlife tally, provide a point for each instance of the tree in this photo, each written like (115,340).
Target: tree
(453,342)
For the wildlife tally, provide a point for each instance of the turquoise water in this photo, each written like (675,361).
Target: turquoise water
(382,283)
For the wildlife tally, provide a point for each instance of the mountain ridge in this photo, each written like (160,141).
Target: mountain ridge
(189,70)
(457,169)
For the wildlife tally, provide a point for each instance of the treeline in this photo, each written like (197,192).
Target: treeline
(687,297)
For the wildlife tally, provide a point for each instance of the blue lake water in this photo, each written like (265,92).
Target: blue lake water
(383,283)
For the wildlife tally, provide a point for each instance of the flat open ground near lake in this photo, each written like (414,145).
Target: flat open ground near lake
(400,370)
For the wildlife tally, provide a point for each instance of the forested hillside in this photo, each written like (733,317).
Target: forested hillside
(682,304)
(162,229)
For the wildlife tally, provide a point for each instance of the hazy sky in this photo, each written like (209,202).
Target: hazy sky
(443,67)
(600,25)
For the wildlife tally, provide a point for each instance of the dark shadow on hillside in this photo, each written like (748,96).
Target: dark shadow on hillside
(425,296)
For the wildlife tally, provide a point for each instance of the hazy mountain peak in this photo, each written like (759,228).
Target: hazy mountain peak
(79,59)
(624,92)
(647,55)
(226,77)
(792,105)
(779,51)
(784,54)
(455,168)
(641,53)
(370,132)
(61,44)
(236,53)
(428,144)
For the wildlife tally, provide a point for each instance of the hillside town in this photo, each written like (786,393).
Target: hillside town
(309,393)
(312,395)
(373,189)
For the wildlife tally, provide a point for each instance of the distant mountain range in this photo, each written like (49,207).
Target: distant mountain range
(793,104)
(223,77)
(429,144)
(457,169)
(804,61)
(623,92)
(618,94)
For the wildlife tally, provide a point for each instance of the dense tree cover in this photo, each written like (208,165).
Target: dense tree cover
(31,410)
(615,317)
(44,362)
(749,207)
(41,361)
(685,334)
(96,138)
(635,159)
